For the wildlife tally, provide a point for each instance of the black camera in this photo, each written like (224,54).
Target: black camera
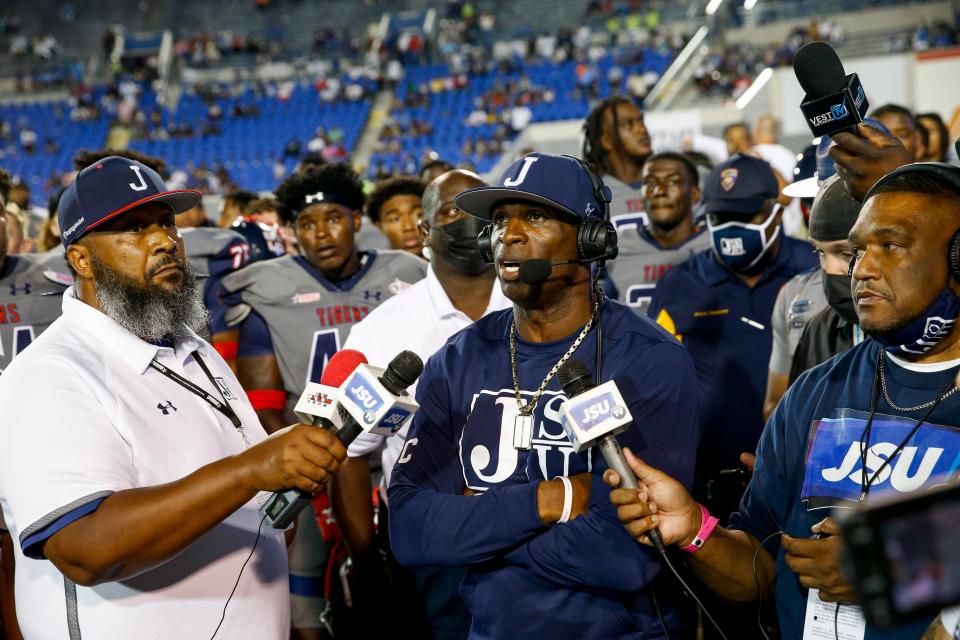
(901,555)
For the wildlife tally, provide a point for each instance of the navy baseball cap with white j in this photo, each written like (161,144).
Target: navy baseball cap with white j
(561,182)
(111,187)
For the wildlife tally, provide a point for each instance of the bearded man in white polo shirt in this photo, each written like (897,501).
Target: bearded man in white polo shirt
(459,288)
(131,462)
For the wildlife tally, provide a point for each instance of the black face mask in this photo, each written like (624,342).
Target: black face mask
(840,296)
(456,242)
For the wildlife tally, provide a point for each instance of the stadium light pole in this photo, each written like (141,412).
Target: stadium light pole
(712,7)
(749,4)
(754,88)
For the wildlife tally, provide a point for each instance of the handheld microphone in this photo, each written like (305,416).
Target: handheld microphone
(352,397)
(536,271)
(834,102)
(594,415)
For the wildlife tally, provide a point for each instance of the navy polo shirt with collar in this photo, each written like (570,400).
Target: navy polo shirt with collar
(725,325)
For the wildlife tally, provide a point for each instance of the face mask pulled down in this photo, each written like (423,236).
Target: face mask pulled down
(922,333)
(739,245)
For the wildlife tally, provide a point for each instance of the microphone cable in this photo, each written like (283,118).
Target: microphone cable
(756,581)
(223,616)
(693,595)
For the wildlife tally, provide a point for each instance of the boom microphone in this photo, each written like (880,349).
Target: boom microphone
(594,415)
(350,399)
(834,102)
(536,271)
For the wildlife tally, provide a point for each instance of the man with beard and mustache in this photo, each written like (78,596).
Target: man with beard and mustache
(670,191)
(130,459)
(459,289)
(878,420)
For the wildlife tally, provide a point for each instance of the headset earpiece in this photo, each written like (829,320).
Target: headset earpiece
(953,256)
(597,238)
(485,244)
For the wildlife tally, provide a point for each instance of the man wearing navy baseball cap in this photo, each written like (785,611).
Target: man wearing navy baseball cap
(719,304)
(488,479)
(132,493)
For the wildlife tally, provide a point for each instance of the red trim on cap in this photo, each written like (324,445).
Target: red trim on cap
(133,205)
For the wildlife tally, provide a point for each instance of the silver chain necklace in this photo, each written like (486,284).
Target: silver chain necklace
(523,423)
(925,405)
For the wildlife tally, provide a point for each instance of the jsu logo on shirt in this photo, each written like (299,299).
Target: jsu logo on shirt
(486,444)
(364,397)
(835,465)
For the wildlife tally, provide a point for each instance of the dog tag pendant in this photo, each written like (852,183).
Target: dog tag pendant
(523,432)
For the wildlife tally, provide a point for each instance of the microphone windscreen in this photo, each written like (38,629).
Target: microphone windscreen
(402,371)
(341,365)
(535,271)
(819,70)
(574,378)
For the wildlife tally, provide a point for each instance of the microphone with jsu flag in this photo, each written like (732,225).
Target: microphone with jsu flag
(593,416)
(834,102)
(352,397)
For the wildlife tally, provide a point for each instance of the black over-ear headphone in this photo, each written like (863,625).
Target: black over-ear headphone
(944,172)
(596,237)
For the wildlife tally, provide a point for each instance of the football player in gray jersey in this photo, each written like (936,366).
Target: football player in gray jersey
(295,313)
(214,253)
(297,310)
(647,251)
(31,286)
(617,143)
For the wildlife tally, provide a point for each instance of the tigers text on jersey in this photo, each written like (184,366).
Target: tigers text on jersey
(302,318)
(213,253)
(31,298)
(525,578)
(641,262)
(625,199)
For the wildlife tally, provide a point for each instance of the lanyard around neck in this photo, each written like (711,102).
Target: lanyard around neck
(220,404)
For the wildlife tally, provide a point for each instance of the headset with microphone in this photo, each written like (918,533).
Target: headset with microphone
(596,237)
(947,173)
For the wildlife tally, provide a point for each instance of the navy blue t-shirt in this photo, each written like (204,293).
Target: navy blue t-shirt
(585,578)
(809,458)
(725,325)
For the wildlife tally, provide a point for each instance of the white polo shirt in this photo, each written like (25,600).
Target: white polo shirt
(420,318)
(84,416)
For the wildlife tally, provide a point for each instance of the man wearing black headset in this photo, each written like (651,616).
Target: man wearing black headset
(880,419)
(487,478)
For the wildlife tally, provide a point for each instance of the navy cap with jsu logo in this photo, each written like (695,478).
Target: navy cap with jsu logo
(111,187)
(739,185)
(561,182)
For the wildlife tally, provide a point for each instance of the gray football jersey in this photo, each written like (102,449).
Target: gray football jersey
(213,251)
(642,262)
(625,200)
(31,297)
(307,317)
